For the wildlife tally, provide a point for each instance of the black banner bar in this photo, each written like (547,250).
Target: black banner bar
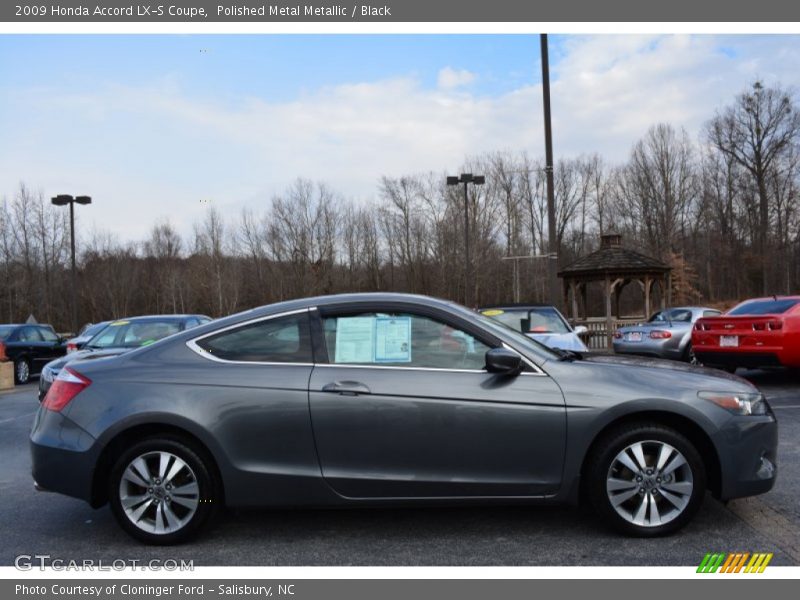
(400,11)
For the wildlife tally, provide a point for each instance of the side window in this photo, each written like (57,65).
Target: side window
(192,323)
(30,334)
(402,340)
(285,339)
(48,335)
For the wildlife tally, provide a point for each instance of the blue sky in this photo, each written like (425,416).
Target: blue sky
(151,125)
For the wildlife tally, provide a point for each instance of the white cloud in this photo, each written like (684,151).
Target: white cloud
(147,152)
(450,78)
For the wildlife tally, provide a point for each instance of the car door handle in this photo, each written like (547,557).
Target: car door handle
(346,388)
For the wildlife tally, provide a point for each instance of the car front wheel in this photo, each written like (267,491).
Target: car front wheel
(646,479)
(162,491)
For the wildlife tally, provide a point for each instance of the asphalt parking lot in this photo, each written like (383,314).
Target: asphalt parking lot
(41,523)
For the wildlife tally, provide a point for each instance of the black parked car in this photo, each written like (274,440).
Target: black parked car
(30,347)
(121,336)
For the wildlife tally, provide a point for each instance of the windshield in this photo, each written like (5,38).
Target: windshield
(91,330)
(764,307)
(543,319)
(676,314)
(133,333)
(5,331)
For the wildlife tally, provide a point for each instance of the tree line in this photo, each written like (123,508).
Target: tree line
(721,209)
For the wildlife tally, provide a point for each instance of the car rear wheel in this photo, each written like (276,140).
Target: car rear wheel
(690,357)
(22,371)
(646,479)
(162,491)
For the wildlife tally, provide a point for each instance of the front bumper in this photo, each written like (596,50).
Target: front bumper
(63,456)
(748,449)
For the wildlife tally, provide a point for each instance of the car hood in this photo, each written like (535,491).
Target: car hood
(563,341)
(82,355)
(658,363)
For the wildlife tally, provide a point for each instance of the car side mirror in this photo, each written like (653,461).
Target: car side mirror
(581,329)
(503,361)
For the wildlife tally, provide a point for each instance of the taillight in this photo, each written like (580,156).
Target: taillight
(775,325)
(759,326)
(67,385)
(659,334)
(701,327)
(71,347)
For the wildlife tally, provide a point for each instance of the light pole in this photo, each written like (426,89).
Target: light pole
(63,200)
(466,178)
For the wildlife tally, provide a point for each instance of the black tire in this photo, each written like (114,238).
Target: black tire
(208,495)
(690,357)
(603,465)
(22,371)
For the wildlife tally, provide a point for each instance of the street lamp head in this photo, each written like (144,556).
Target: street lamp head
(83,199)
(479,180)
(452,180)
(61,199)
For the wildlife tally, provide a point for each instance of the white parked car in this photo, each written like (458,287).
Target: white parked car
(542,322)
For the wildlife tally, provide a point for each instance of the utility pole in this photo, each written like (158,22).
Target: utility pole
(552,263)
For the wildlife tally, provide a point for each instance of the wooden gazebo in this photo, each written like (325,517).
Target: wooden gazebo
(615,267)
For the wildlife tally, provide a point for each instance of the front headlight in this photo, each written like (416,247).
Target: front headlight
(739,403)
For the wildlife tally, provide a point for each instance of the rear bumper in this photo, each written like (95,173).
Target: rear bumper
(655,350)
(750,360)
(748,456)
(63,456)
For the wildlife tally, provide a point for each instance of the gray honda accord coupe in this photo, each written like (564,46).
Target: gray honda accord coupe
(392,399)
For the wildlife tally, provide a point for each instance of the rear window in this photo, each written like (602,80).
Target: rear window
(765,307)
(282,339)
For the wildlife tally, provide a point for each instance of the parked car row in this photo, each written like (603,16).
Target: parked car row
(761,332)
(37,349)
(118,337)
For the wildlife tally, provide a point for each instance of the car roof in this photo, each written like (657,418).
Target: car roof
(157,318)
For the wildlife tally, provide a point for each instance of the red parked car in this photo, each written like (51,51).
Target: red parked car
(762,332)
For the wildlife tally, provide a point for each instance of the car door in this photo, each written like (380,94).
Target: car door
(403,407)
(53,346)
(34,347)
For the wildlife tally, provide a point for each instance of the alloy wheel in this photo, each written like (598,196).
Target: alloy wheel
(159,492)
(649,483)
(23,371)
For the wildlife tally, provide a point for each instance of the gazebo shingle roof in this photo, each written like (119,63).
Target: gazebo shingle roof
(613,259)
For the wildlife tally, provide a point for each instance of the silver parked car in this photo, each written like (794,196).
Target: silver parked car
(391,399)
(667,334)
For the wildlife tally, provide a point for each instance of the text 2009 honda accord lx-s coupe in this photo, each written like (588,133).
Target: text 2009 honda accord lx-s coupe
(378,399)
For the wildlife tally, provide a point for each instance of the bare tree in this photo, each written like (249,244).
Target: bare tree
(755,131)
